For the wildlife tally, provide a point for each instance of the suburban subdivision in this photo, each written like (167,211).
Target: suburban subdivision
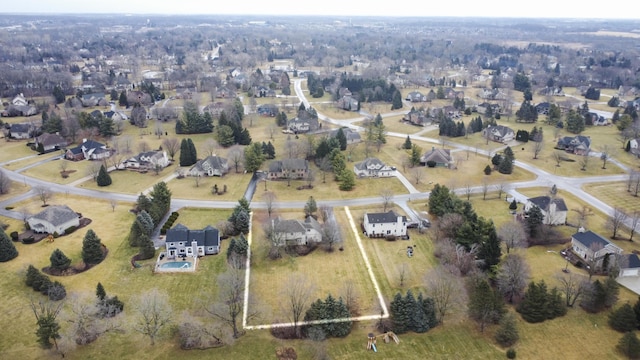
(291,187)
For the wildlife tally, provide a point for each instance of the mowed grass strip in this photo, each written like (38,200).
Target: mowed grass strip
(614,194)
(327,272)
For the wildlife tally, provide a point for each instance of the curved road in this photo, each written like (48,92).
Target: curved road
(543,178)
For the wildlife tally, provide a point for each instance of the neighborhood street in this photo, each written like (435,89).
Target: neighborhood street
(543,178)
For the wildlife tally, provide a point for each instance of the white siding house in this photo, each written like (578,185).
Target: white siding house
(385,224)
(372,167)
(592,248)
(180,241)
(554,210)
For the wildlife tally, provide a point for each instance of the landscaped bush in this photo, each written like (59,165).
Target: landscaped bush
(56,291)
(70,229)
(29,240)
(511,354)
(431,163)
(14,236)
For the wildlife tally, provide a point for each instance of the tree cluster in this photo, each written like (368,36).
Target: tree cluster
(107,307)
(485,304)
(599,296)
(188,152)
(239,218)
(237,251)
(527,112)
(231,132)
(41,283)
(540,304)
(329,309)
(409,313)
(450,128)
(193,122)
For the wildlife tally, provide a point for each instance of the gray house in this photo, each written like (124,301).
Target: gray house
(181,241)
(288,169)
(592,247)
(296,232)
(210,166)
(54,219)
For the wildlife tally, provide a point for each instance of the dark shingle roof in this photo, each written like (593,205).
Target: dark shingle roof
(543,203)
(589,239)
(369,162)
(383,218)
(632,261)
(209,236)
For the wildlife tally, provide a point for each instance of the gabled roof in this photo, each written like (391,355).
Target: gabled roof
(56,215)
(288,164)
(631,261)
(209,236)
(296,226)
(543,203)
(383,218)
(369,162)
(20,128)
(214,162)
(440,156)
(50,139)
(590,239)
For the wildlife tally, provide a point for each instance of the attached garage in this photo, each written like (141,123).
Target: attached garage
(630,265)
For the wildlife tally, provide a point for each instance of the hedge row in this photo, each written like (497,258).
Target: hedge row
(170,221)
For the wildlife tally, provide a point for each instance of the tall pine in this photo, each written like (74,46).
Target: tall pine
(7,249)
(91,248)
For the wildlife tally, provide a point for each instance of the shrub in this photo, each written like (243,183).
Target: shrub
(70,229)
(29,240)
(14,236)
(487,170)
(511,354)
(56,291)
(431,163)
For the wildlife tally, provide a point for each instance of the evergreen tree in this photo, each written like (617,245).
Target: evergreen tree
(92,248)
(496,160)
(399,316)
(407,143)
(487,170)
(160,201)
(48,327)
(342,139)
(103,179)
(347,180)
(33,278)
(575,122)
(557,306)
(143,203)
(253,157)
(245,137)
(100,293)
(533,307)
(636,310)
(623,319)
(147,249)
(534,220)
(527,112)
(513,205)
(490,248)
(146,222)
(56,291)
(328,309)
(59,261)
(193,154)
(505,166)
(185,153)
(397,101)
(123,101)
(310,207)
(136,231)
(415,156)
(239,218)
(485,306)
(7,249)
(507,334)
(629,345)
(58,94)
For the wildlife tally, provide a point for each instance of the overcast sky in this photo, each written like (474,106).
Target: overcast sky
(487,8)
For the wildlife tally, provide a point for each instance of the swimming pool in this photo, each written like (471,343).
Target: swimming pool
(176,265)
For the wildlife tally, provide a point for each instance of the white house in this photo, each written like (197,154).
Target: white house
(554,210)
(54,219)
(90,150)
(147,160)
(372,167)
(296,232)
(592,248)
(19,100)
(180,241)
(385,224)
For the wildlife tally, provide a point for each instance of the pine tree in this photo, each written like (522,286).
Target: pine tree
(7,249)
(59,261)
(485,305)
(415,156)
(193,153)
(557,305)
(399,316)
(33,278)
(490,249)
(396,101)
(147,249)
(629,345)
(100,293)
(636,310)
(407,143)
(310,207)
(103,179)
(623,319)
(185,153)
(507,334)
(56,291)
(91,248)
(420,322)
(535,305)
(160,201)
(347,180)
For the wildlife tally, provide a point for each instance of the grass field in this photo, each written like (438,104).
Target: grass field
(614,194)
(129,182)
(186,188)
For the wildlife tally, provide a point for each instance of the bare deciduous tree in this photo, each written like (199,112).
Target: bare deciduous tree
(210,146)
(5,182)
(236,156)
(143,146)
(387,199)
(171,146)
(615,221)
(44,194)
(605,154)
(634,220)
(467,191)
(485,188)
(513,235)
(572,286)
(447,226)
(113,203)
(269,198)
(297,295)
(194,334)
(350,296)
(584,161)
(513,276)
(557,156)
(230,304)
(536,148)
(501,187)
(416,174)
(87,324)
(403,270)
(633,182)
(446,290)
(583,213)
(153,313)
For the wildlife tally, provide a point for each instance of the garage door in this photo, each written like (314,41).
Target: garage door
(630,272)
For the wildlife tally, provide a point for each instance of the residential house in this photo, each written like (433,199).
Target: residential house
(300,125)
(372,167)
(384,224)
(441,157)
(593,248)
(554,209)
(21,131)
(215,109)
(579,145)
(115,116)
(449,93)
(19,100)
(592,118)
(416,96)
(268,110)
(499,133)
(633,103)
(551,91)
(54,219)
(351,135)
(296,232)
(225,93)
(288,169)
(634,146)
(90,150)
(417,117)
(210,166)
(147,160)
(94,99)
(492,94)
(452,112)
(181,241)
(185,93)
(543,108)
(629,265)
(348,103)
(628,91)
(51,142)
(484,107)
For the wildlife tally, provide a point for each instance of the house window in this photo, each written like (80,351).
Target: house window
(388,232)
(181,243)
